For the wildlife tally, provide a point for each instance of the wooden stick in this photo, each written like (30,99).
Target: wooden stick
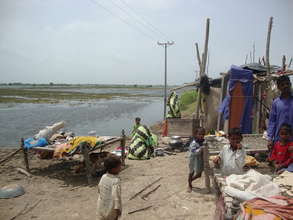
(88,164)
(185,85)
(148,186)
(23,172)
(10,155)
(25,155)
(138,210)
(122,144)
(32,207)
(290,63)
(19,213)
(24,211)
(150,192)
(268,45)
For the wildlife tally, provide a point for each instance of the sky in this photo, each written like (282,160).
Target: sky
(115,41)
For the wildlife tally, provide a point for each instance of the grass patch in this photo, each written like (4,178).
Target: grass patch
(187,98)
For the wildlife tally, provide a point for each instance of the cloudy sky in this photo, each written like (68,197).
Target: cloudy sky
(115,41)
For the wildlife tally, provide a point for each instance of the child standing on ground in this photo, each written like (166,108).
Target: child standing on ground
(282,154)
(109,188)
(195,156)
(232,156)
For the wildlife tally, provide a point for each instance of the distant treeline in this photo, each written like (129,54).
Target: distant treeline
(51,84)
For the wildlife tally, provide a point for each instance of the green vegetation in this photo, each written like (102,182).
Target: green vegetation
(188,98)
(17,95)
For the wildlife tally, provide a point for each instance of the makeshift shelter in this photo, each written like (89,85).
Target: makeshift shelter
(237,105)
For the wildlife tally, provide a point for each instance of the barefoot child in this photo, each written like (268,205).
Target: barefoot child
(195,156)
(282,154)
(109,200)
(232,156)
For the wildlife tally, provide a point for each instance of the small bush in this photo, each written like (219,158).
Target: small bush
(187,98)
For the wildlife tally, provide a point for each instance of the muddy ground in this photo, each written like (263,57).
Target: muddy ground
(55,191)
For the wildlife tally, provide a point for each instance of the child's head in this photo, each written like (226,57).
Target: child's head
(235,137)
(113,164)
(137,120)
(285,132)
(199,133)
(284,84)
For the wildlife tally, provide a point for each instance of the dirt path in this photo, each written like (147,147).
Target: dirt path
(61,194)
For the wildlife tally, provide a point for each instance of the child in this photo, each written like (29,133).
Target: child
(281,111)
(195,156)
(109,200)
(232,157)
(282,154)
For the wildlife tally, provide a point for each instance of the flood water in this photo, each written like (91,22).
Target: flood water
(106,117)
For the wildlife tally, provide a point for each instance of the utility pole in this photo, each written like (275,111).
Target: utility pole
(165,45)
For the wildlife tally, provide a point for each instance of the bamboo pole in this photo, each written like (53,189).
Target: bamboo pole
(268,45)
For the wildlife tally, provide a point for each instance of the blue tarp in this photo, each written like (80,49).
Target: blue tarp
(246,78)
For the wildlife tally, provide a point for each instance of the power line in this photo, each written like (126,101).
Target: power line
(144,19)
(123,20)
(135,18)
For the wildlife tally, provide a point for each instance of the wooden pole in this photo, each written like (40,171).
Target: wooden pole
(122,144)
(198,57)
(258,110)
(263,60)
(205,54)
(203,66)
(289,65)
(284,63)
(25,155)
(207,167)
(221,99)
(268,45)
(88,164)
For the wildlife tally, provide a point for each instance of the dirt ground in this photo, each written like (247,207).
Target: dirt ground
(55,192)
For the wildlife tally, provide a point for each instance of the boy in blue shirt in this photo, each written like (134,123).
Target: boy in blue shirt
(195,160)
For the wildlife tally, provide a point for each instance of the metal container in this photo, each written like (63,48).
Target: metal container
(176,142)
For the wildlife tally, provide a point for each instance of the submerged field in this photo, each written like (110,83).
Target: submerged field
(55,94)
